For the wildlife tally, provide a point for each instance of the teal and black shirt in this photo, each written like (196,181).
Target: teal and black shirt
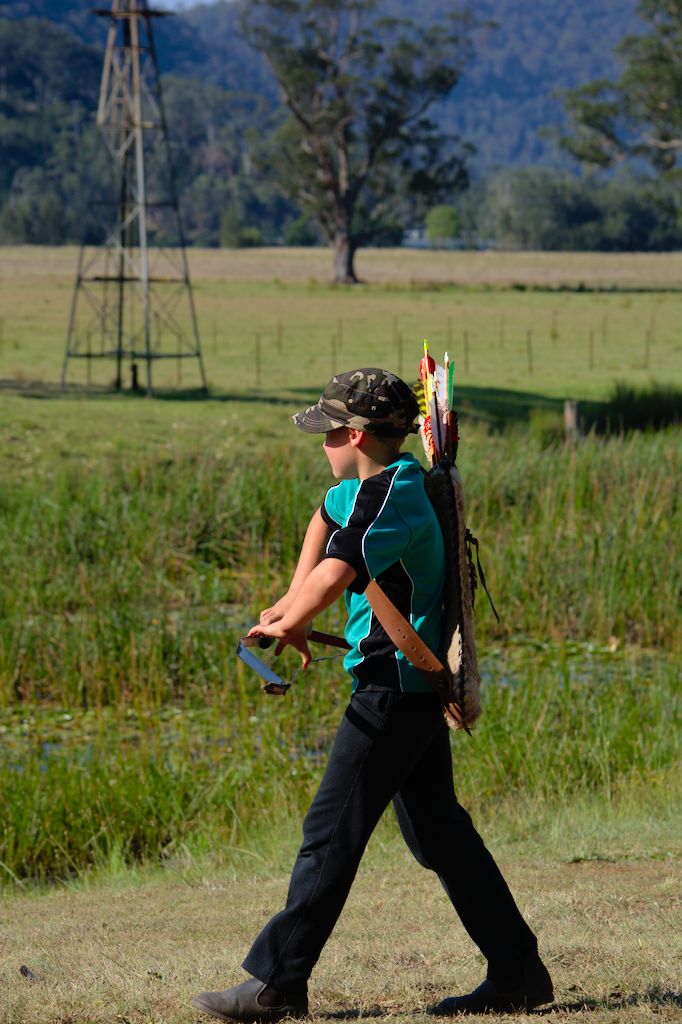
(386,529)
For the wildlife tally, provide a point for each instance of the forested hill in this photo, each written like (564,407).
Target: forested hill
(506,94)
(223,110)
(504,98)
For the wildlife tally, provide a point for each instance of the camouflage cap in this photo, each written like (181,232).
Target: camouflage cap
(368,399)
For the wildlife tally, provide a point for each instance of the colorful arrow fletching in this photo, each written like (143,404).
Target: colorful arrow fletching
(420,395)
(451,385)
(438,419)
(427,438)
(426,370)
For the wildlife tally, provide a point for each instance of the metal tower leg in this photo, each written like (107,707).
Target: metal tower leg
(141,310)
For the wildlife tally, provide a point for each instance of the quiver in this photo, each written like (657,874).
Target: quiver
(443,486)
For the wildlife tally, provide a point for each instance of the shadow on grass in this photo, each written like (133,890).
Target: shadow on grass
(371,1011)
(501,407)
(616,1001)
(498,407)
(49,390)
(628,408)
(256,396)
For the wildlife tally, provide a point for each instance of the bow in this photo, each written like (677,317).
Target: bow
(273,683)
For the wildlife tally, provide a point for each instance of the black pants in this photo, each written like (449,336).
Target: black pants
(390,746)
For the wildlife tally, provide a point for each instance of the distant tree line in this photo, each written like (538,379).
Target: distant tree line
(545,209)
(630,128)
(243,157)
(506,94)
(52,153)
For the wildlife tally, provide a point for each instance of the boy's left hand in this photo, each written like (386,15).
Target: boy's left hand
(285,637)
(321,588)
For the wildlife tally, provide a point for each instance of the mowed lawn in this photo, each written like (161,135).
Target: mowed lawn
(603,898)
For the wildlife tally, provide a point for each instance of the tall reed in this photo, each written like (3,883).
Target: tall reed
(132,582)
(77,790)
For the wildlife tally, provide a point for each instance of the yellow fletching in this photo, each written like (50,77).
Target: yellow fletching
(418,389)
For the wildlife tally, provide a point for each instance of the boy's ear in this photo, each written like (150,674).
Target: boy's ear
(356,437)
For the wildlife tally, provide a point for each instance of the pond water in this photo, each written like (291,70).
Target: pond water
(48,732)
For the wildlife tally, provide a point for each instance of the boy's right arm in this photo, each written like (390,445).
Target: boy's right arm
(314,543)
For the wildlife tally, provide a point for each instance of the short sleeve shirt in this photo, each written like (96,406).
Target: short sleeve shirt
(386,529)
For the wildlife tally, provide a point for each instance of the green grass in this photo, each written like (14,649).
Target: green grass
(597,880)
(80,788)
(139,538)
(282,297)
(145,571)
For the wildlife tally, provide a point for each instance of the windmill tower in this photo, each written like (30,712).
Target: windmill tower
(133,302)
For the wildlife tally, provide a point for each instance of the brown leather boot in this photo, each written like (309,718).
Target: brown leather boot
(251,1001)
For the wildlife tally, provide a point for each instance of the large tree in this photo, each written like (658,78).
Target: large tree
(640,114)
(358,151)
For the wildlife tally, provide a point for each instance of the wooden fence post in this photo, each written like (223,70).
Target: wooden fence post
(529,348)
(571,419)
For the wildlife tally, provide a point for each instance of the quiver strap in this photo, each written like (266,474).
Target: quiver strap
(407,640)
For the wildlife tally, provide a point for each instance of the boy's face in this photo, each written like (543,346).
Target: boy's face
(341,453)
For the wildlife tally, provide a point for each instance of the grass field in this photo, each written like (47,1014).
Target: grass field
(138,538)
(282,296)
(599,883)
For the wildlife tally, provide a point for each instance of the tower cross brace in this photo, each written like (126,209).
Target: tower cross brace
(133,300)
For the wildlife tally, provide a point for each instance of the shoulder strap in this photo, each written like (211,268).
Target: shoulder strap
(407,640)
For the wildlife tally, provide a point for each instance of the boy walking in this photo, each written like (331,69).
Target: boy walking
(392,744)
